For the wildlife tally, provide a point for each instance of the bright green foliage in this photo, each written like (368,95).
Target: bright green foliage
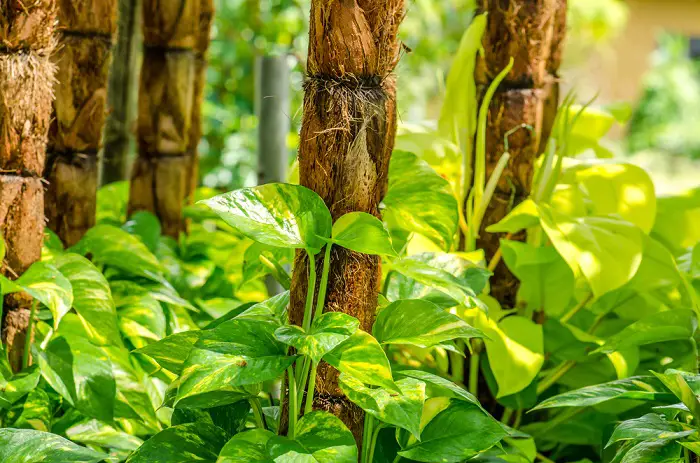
(28,446)
(321,438)
(287,216)
(458,431)
(363,233)
(420,323)
(186,442)
(327,332)
(419,200)
(401,410)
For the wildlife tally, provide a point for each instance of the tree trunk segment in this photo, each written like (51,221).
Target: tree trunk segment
(26,91)
(347,137)
(166,96)
(532,32)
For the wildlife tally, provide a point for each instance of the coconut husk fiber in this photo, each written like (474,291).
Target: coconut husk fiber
(532,32)
(347,136)
(26,80)
(524,30)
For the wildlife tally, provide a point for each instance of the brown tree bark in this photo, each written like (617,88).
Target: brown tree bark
(347,137)
(206,17)
(122,95)
(160,179)
(532,32)
(87,28)
(26,80)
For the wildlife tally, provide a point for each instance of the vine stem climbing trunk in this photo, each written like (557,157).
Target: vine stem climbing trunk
(122,95)
(532,33)
(160,178)
(26,91)
(347,137)
(83,58)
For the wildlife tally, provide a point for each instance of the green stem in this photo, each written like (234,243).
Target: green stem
(310,292)
(321,301)
(30,335)
(293,414)
(507,415)
(283,396)
(258,412)
(518,418)
(570,314)
(367,434)
(555,375)
(373,443)
(487,196)
(302,380)
(397,459)
(457,363)
(474,374)
(312,389)
(544,459)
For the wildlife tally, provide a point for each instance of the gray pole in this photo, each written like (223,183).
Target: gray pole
(273,105)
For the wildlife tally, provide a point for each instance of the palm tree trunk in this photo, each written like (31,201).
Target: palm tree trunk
(122,95)
(26,81)
(347,137)
(160,179)
(532,32)
(206,17)
(83,60)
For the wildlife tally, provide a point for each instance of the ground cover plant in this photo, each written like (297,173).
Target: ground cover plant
(435,305)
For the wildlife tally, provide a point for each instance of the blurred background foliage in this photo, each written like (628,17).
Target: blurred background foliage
(664,119)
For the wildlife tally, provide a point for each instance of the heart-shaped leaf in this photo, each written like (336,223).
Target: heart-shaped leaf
(92,298)
(29,446)
(320,438)
(362,232)
(234,354)
(420,323)
(185,442)
(327,332)
(361,357)
(281,215)
(46,284)
(401,410)
(457,433)
(419,200)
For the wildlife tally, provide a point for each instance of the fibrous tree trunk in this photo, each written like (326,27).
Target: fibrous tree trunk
(122,94)
(532,33)
(347,137)
(206,16)
(87,28)
(26,81)
(160,178)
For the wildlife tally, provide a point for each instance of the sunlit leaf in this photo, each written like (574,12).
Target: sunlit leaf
(28,446)
(420,323)
(327,332)
(186,442)
(419,200)
(645,388)
(362,357)
(287,216)
(362,232)
(401,410)
(649,427)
